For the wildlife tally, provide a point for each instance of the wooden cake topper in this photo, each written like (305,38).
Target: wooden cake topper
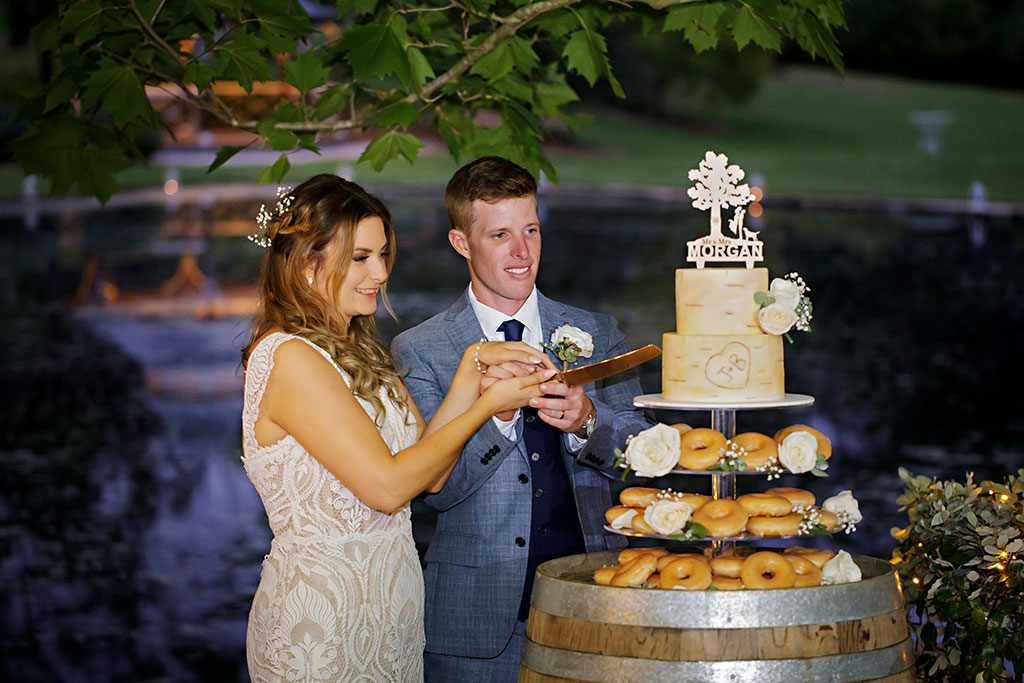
(716,189)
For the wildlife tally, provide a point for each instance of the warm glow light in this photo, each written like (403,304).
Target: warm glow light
(170,187)
(917,580)
(997,565)
(1003,498)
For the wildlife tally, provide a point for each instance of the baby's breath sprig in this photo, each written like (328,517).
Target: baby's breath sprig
(262,236)
(804,307)
(730,458)
(773,468)
(811,524)
(845,522)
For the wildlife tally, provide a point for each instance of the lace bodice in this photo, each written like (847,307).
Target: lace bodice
(303,499)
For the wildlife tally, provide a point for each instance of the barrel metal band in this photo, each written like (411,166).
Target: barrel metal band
(564,589)
(888,661)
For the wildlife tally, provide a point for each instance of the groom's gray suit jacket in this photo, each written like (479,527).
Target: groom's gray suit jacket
(476,563)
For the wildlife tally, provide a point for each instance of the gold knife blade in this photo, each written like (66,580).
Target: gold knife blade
(610,366)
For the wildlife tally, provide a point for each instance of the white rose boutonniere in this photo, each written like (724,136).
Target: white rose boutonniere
(798,453)
(653,452)
(570,343)
(668,517)
(840,569)
(846,509)
(784,306)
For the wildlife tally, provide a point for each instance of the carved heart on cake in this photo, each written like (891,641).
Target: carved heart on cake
(730,367)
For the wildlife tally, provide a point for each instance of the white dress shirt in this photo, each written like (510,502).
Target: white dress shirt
(490,320)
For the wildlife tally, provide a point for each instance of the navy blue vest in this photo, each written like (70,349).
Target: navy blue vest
(555,529)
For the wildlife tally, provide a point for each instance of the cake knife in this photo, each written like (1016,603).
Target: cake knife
(610,366)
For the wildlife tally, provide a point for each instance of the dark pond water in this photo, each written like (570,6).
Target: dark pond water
(130,539)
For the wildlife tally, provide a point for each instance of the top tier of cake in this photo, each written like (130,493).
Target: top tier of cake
(719,352)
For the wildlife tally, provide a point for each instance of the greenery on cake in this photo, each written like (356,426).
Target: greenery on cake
(961,562)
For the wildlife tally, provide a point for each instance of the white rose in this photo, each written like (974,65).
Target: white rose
(840,569)
(844,506)
(575,335)
(624,521)
(776,319)
(667,516)
(798,452)
(653,452)
(785,293)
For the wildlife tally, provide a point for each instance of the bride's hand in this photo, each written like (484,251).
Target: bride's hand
(504,395)
(487,354)
(504,371)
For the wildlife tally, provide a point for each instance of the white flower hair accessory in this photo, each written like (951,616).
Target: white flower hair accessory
(570,343)
(262,235)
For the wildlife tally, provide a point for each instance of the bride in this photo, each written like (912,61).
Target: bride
(337,449)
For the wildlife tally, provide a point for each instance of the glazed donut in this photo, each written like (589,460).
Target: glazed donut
(672,557)
(627,555)
(638,496)
(727,566)
(724,583)
(824,443)
(788,525)
(767,570)
(681,427)
(686,573)
(827,518)
(620,516)
(765,504)
(695,500)
(760,448)
(604,575)
(817,556)
(640,525)
(653,581)
(800,498)
(700,448)
(722,518)
(807,573)
(635,573)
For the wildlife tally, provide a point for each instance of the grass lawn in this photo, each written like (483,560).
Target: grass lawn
(807,131)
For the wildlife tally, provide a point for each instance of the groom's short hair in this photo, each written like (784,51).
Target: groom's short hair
(489,179)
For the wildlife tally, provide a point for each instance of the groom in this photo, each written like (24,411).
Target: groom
(529,485)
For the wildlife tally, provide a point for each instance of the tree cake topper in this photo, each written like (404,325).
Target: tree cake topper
(717,188)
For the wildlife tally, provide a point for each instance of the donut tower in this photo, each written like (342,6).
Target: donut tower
(704,612)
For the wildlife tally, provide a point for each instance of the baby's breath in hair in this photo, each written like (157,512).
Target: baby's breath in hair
(263,218)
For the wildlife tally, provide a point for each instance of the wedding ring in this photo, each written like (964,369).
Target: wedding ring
(562,416)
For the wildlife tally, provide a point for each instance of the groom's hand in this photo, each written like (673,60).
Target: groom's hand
(563,407)
(504,371)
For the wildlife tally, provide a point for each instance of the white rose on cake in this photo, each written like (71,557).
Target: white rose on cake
(844,506)
(787,294)
(667,516)
(653,452)
(840,569)
(567,334)
(798,452)
(776,319)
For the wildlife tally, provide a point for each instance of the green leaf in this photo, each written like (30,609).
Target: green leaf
(82,20)
(60,92)
(585,54)
(763,299)
(388,146)
(400,113)
(751,24)
(223,154)
(199,74)
(375,51)
(420,67)
(46,35)
(240,60)
(275,172)
(119,90)
(699,23)
(281,140)
(549,97)
(306,72)
(332,100)
(526,59)
(203,12)
(308,141)
(515,87)
(496,63)
(364,6)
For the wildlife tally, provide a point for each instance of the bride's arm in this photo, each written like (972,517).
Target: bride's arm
(307,398)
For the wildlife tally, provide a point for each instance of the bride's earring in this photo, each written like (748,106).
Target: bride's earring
(310,280)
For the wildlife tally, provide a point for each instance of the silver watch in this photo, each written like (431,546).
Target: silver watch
(587,429)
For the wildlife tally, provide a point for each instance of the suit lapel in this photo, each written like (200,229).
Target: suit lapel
(552,315)
(462,326)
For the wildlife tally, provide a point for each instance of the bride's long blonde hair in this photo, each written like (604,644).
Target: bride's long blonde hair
(325,210)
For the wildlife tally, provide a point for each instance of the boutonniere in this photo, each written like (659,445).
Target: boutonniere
(570,343)
(784,306)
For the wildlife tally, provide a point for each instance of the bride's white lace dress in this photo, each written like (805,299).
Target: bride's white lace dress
(341,592)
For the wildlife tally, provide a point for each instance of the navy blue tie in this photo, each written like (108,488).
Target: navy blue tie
(555,529)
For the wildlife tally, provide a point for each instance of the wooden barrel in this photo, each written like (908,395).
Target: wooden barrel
(579,631)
